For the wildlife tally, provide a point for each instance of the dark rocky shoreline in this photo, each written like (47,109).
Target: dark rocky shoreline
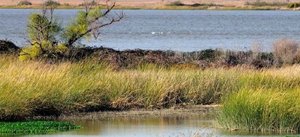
(209,58)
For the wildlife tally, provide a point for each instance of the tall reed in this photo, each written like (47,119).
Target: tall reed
(36,88)
(263,110)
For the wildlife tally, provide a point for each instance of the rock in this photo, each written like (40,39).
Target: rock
(8,47)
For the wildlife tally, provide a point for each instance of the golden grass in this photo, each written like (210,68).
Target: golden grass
(37,88)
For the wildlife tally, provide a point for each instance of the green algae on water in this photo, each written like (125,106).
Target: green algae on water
(35,127)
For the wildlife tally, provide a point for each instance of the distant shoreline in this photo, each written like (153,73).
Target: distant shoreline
(165,7)
(168,4)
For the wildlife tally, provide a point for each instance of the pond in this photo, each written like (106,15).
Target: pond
(169,126)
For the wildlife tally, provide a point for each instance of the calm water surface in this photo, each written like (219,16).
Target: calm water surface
(175,30)
(151,127)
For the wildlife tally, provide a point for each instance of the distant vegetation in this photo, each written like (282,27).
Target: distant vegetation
(176,3)
(24,3)
(93,2)
(273,4)
(261,4)
(293,5)
(285,52)
(51,3)
(179,3)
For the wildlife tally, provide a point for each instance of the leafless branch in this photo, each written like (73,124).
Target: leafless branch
(98,22)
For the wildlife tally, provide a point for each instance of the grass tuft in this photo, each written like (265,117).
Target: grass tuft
(262,110)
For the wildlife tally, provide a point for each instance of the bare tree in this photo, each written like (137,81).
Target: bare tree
(97,21)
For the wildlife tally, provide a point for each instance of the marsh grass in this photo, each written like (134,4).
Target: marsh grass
(271,107)
(38,88)
(34,127)
(262,110)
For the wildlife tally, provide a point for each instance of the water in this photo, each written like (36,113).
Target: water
(151,127)
(186,30)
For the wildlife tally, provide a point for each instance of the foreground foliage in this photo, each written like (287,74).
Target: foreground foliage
(263,110)
(34,127)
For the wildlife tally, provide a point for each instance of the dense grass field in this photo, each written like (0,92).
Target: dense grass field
(38,88)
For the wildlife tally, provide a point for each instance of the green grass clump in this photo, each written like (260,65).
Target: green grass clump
(34,127)
(263,110)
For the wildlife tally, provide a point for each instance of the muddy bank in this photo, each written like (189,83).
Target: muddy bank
(285,52)
(194,110)
(134,58)
(197,59)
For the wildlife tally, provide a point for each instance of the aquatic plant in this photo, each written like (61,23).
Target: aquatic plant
(34,127)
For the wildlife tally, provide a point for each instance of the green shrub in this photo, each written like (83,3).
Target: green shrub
(176,3)
(50,40)
(24,3)
(52,3)
(293,5)
(35,51)
(43,42)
